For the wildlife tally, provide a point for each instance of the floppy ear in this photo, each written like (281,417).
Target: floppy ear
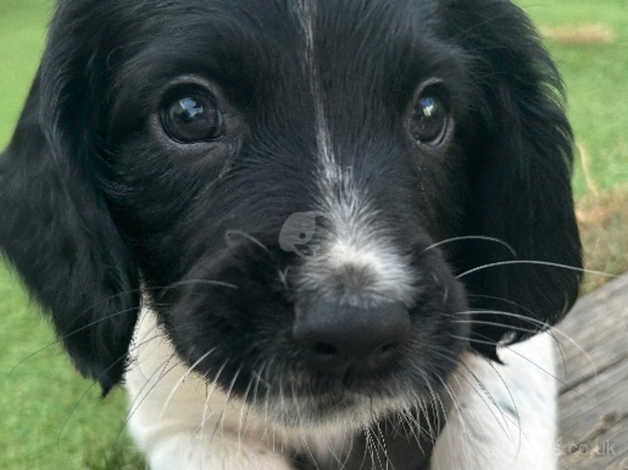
(521,191)
(56,227)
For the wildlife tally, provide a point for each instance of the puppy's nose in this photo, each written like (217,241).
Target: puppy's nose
(335,337)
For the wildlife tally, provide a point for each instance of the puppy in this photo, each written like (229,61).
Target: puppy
(324,223)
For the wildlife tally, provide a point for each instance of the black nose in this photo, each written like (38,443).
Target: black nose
(338,336)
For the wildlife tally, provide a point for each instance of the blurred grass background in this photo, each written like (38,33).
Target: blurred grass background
(54,419)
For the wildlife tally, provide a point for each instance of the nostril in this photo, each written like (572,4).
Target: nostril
(387,348)
(385,352)
(324,349)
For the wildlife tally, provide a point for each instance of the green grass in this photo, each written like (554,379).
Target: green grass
(22,32)
(54,419)
(596,81)
(50,416)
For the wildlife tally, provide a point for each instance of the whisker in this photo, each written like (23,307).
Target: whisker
(492,343)
(435,399)
(482,392)
(247,236)
(473,237)
(521,329)
(533,314)
(83,395)
(301,421)
(373,450)
(208,397)
(456,403)
(469,437)
(349,451)
(505,300)
(119,313)
(258,378)
(382,445)
(220,423)
(542,325)
(207,282)
(244,410)
(535,263)
(511,397)
(445,354)
(58,339)
(163,370)
(413,425)
(267,396)
(181,380)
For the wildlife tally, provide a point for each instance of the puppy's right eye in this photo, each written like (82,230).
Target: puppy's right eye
(190,114)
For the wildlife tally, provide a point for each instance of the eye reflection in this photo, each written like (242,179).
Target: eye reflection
(191,114)
(190,108)
(430,120)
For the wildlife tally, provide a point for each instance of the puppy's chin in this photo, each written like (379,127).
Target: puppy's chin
(346,411)
(357,403)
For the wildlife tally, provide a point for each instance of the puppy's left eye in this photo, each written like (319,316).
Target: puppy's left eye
(191,114)
(430,119)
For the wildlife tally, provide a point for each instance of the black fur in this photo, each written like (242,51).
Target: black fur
(94,196)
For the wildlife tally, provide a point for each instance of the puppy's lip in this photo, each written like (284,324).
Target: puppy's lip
(330,403)
(349,389)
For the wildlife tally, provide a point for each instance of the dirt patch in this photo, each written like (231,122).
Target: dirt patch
(603,221)
(580,34)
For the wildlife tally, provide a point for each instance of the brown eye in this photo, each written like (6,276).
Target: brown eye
(430,120)
(191,114)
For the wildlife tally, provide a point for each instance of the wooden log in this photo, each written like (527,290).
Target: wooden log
(594,381)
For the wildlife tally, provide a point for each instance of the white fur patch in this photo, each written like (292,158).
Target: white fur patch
(385,274)
(192,425)
(507,422)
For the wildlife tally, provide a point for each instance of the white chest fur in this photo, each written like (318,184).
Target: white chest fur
(502,417)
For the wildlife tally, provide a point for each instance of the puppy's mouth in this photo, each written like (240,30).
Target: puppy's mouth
(353,408)
(304,398)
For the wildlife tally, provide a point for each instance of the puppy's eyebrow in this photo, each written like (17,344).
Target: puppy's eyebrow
(225,46)
(207,53)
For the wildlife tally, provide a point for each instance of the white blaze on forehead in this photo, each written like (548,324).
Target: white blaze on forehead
(306,13)
(355,240)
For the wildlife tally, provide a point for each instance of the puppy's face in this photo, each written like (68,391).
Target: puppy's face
(282,178)
(298,185)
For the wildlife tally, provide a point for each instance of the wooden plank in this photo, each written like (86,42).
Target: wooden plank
(594,381)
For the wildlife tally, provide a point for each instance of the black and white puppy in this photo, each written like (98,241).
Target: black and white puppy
(328,217)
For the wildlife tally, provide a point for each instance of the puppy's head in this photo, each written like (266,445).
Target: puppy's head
(329,202)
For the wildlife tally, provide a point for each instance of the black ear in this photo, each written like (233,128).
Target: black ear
(56,227)
(521,178)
